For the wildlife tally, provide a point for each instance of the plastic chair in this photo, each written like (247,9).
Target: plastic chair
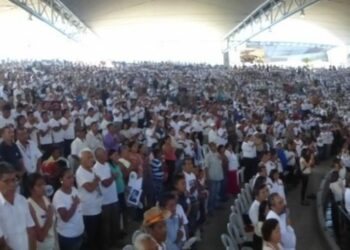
(240,176)
(134,235)
(234,233)
(244,199)
(236,219)
(228,242)
(128,247)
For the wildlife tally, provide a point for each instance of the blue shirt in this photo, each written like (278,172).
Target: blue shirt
(172,226)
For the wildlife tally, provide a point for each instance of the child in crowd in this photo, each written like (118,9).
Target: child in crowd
(158,175)
(173,224)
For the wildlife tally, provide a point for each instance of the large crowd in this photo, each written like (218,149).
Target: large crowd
(85,149)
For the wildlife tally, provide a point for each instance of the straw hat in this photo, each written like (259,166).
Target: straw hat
(155,215)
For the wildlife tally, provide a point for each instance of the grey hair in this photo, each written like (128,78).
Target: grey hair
(138,244)
(84,150)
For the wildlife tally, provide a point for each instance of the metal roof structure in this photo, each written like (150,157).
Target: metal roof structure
(105,17)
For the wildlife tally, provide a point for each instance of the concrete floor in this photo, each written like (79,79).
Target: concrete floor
(304,219)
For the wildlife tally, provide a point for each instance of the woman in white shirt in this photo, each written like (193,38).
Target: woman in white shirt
(233,165)
(42,213)
(70,225)
(271,234)
(306,164)
(275,184)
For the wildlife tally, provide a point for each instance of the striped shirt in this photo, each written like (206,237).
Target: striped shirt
(157,170)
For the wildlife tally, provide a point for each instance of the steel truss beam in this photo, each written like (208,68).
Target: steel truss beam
(288,44)
(57,15)
(263,18)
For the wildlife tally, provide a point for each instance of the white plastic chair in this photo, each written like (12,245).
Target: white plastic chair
(228,242)
(134,235)
(128,247)
(236,219)
(240,176)
(188,244)
(234,233)
(244,200)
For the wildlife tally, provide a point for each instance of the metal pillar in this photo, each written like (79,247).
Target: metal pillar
(57,15)
(263,18)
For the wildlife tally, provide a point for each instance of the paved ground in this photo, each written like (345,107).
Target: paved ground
(304,219)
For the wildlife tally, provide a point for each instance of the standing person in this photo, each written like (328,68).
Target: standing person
(68,131)
(29,150)
(15,220)
(91,199)
(120,184)
(279,212)
(169,157)
(110,205)
(157,173)
(174,233)
(271,233)
(276,185)
(93,137)
(70,224)
(233,165)
(111,140)
(45,134)
(42,213)
(213,165)
(9,150)
(224,183)
(306,163)
(249,160)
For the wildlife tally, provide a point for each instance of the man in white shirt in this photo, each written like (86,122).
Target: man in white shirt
(151,138)
(279,212)
(57,130)
(110,205)
(30,152)
(6,118)
(261,193)
(94,138)
(213,134)
(68,131)
(249,160)
(15,219)
(45,132)
(91,198)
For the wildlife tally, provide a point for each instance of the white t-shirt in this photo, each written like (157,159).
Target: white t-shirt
(34,134)
(77,145)
(30,155)
(57,136)
(6,121)
(69,133)
(47,138)
(75,226)
(182,216)
(91,202)
(248,150)
(233,163)
(191,181)
(109,194)
(14,221)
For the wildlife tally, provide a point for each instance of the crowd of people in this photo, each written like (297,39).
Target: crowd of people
(85,149)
